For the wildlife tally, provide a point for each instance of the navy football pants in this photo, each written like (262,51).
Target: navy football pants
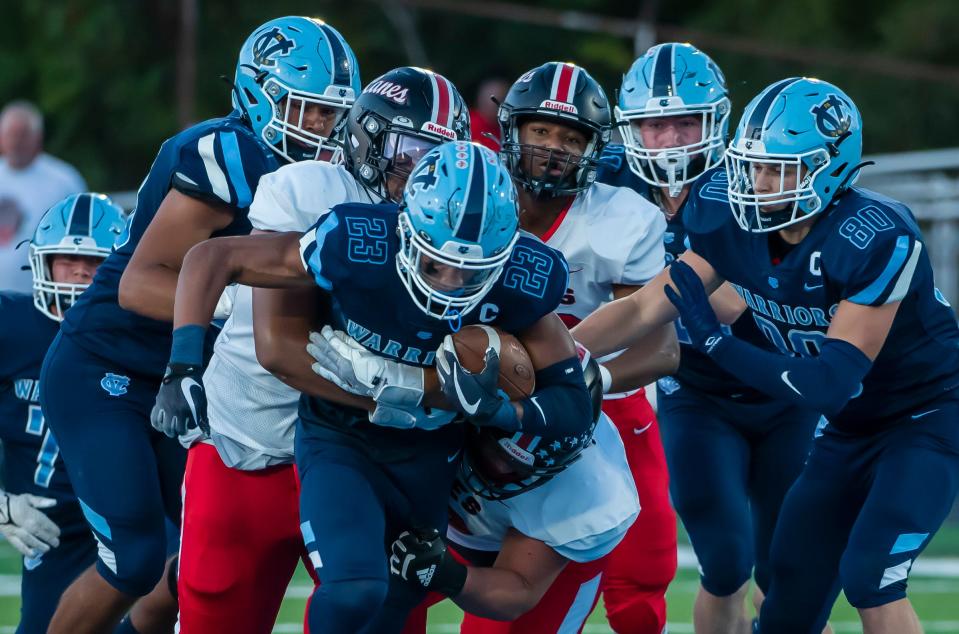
(126,475)
(730,466)
(352,506)
(860,513)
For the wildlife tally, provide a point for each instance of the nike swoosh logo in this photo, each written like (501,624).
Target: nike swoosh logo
(921,414)
(639,430)
(810,287)
(185,386)
(785,377)
(453,457)
(469,408)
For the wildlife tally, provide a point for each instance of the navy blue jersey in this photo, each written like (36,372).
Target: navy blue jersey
(219,161)
(351,253)
(32,462)
(696,369)
(866,249)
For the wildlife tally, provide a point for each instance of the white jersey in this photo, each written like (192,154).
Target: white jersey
(610,236)
(582,513)
(251,412)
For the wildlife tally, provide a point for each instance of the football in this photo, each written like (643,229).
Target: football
(516,374)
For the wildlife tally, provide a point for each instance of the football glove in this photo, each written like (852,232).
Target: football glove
(477,395)
(692,302)
(419,557)
(28,529)
(181,402)
(341,360)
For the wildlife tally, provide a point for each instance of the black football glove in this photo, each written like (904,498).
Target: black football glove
(181,401)
(419,557)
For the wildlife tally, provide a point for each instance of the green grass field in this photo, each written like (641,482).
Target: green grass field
(936,598)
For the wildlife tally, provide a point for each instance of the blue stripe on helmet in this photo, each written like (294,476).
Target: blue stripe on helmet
(663,72)
(471,222)
(341,60)
(80,218)
(754,128)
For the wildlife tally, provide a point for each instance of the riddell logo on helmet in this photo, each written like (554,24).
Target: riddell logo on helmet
(559,105)
(444,132)
(516,452)
(388,89)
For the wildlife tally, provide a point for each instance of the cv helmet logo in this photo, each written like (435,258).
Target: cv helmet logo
(833,118)
(270,45)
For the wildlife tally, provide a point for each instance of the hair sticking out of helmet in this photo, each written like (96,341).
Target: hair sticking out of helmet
(458,224)
(295,80)
(675,105)
(397,118)
(797,147)
(79,225)
(559,94)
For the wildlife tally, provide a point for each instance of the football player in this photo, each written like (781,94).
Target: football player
(533,522)
(379,457)
(733,452)
(294,81)
(39,513)
(556,121)
(838,280)
(251,413)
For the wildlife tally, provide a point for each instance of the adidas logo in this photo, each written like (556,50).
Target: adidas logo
(426,575)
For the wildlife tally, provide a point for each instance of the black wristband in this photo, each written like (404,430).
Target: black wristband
(450,577)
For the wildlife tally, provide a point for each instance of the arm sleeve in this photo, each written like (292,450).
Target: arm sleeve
(824,383)
(221,167)
(560,405)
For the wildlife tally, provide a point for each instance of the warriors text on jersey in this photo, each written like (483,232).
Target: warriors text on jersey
(219,161)
(865,249)
(351,253)
(582,513)
(32,462)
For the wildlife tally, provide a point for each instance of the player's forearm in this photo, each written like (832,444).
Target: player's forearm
(656,356)
(282,320)
(614,326)
(499,594)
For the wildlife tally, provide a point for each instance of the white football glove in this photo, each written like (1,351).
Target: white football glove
(29,530)
(412,418)
(341,360)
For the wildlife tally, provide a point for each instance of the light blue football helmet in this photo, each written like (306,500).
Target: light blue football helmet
(457,224)
(81,224)
(669,80)
(810,133)
(287,65)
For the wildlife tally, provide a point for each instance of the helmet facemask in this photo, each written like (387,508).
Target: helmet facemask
(393,153)
(675,167)
(285,132)
(576,172)
(54,298)
(420,263)
(795,198)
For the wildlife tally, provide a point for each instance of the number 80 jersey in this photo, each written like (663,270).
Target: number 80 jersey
(866,249)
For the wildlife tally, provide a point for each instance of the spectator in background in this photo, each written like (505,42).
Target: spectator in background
(30,183)
(483,112)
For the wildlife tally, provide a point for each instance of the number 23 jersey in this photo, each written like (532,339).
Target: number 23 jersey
(866,249)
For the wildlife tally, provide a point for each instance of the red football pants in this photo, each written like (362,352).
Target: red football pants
(239,545)
(642,566)
(564,608)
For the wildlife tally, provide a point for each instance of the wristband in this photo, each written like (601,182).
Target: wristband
(187,348)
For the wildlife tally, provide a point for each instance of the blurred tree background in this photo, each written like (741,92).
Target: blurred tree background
(107,73)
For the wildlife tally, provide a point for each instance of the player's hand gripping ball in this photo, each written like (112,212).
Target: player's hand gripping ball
(481,369)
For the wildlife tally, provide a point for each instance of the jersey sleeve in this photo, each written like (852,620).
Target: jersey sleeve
(319,252)
(876,271)
(292,197)
(222,167)
(648,254)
